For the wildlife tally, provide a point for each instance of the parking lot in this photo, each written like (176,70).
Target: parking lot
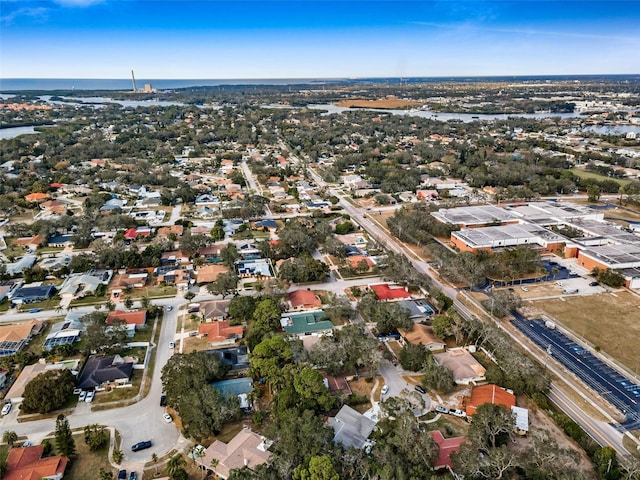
(619,390)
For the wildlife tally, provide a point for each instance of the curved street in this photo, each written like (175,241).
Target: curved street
(140,421)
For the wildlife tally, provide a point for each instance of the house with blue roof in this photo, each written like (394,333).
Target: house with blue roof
(33,294)
(59,241)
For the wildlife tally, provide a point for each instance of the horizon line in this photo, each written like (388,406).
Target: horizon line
(403,77)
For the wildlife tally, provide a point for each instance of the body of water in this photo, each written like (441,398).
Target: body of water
(14,84)
(12,132)
(443,117)
(101,101)
(18,84)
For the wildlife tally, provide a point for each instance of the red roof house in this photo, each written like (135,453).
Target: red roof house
(137,317)
(385,291)
(489,394)
(26,463)
(303,300)
(36,197)
(446,446)
(220,332)
(355,260)
(131,234)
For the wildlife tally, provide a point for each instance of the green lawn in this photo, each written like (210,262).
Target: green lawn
(90,300)
(49,304)
(86,464)
(596,176)
(118,394)
(43,250)
(144,335)
(261,235)
(14,251)
(154,292)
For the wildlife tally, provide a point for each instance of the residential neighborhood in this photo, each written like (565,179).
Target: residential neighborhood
(248,288)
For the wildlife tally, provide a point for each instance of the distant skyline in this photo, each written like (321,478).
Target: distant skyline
(211,39)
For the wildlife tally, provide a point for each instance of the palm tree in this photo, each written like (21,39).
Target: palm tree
(105,475)
(154,459)
(175,463)
(10,437)
(118,456)
(197,453)
(213,464)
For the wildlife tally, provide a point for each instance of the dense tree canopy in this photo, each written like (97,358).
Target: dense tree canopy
(48,391)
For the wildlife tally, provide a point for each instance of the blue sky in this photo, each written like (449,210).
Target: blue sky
(316,39)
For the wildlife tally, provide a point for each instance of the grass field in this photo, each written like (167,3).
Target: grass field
(154,292)
(90,300)
(609,321)
(596,176)
(49,304)
(382,103)
(86,464)
(194,344)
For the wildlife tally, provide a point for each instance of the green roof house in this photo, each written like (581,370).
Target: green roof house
(306,323)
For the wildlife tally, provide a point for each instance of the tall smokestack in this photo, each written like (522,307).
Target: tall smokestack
(133,79)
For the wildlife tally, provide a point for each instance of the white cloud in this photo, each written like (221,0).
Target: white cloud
(77,3)
(36,13)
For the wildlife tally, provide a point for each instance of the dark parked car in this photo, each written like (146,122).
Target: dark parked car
(141,446)
(163,400)
(133,476)
(420,389)
(122,475)
(594,284)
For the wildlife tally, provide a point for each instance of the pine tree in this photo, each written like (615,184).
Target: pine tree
(64,437)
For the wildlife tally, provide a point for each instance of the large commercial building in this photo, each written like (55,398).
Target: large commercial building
(582,233)
(489,238)
(477,216)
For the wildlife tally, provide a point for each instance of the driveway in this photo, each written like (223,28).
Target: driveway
(140,421)
(399,387)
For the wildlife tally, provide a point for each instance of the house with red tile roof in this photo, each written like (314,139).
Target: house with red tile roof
(489,394)
(36,197)
(303,300)
(385,292)
(427,194)
(246,450)
(174,258)
(423,335)
(30,242)
(355,260)
(133,320)
(209,273)
(133,233)
(54,207)
(177,230)
(220,333)
(446,446)
(26,463)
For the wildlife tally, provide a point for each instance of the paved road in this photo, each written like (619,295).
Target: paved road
(393,378)
(603,430)
(617,389)
(141,421)
(600,431)
(250,180)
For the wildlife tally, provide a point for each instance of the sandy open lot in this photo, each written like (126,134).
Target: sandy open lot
(610,321)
